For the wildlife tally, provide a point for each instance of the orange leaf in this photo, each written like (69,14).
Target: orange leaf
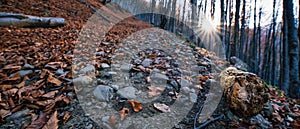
(124,113)
(15,77)
(54,80)
(155,91)
(66,117)
(5,87)
(22,84)
(52,122)
(50,94)
(136,105)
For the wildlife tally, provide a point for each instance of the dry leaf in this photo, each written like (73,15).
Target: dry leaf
(22,84)
(38,123)
(296,124)
(52,122)
(50,94)
(123,113)
(16,77)
(4,113)
(12,67)
(135,105)
(54,80)
(155,91)
(162,107)
(5,87)
(112,120)
(66,117)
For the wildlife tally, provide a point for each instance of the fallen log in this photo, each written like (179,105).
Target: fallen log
(21,20)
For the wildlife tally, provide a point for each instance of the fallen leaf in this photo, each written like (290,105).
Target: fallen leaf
(162,107)
(66,117)
(50,94)
(38,123)
(15,77)
(112,120)
(135,105)
(155,91)
(54,80)
(12,67)
(123,113)
(22,84)
(44,73)
(295,124)
(4,113)
(52,122)
(5,87)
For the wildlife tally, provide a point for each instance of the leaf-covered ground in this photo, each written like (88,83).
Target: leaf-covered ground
(35,69)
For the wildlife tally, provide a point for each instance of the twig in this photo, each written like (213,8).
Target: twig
(206,122)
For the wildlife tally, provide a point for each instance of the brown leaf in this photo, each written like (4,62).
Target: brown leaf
(162,107)
(54,80)
(10,92)
(38,123)
(112,120)
(52,122)
(44,73)
(16,77)
(135,105)
(22,84)
(4,113)
(50,94)
(155,91)
(5,87)
(66,117)
(295,124)
(123,113)
(12,67)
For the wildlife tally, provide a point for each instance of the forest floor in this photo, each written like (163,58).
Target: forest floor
(37,89)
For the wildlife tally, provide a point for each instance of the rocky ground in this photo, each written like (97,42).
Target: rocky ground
(139,79)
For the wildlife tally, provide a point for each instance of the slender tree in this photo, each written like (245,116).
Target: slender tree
(294,89)
(234,47)
(242,36)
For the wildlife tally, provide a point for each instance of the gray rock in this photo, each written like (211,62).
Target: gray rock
(260,121)
(126,67)
(159,76)
(101,53)
(25,72)
(175,73)
(88,69)
(174,84)
(185,90)
(18,115)
(59,72)
(185,83)
(193,97)
(103,93)
(89,126)
(82,80)
(112,73)
(105,43)
(105,119)
(137,61)
(71,94)
(28,66)
(128,92)
(105,65)
(147,62)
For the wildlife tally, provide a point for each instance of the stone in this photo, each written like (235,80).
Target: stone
(25,72)
(126,67)
(137,61)
(128,92)
(101,53)
(159,76)
(174,84)
(88,69)
(28,66)
(82,80)
(105,65)
(105,119)
(147,62)
(185,90)
(193,97)
(59,72)
(103,93)
(175,73)
(17,115)
(185,83)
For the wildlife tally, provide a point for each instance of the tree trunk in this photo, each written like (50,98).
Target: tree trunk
(294,89)
(234,47)
(242,36)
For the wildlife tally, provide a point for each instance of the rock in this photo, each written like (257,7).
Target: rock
(103,93)
(193,97)
(105,43)
(137,61)
(71,94)
(82,80)
(128,92)
(260,121)
(88,69)
(59,72)
(105,65)
(28,66)
(116,87)
(105,119)
(126,67)
(101,53)
(185,90)
(17,115)
(112,73)
(159,76)
(175,73)
(174,84)
(25,72)
(89,126)
(185,83)
(147,62)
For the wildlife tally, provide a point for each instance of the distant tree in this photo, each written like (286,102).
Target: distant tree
(234,47)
